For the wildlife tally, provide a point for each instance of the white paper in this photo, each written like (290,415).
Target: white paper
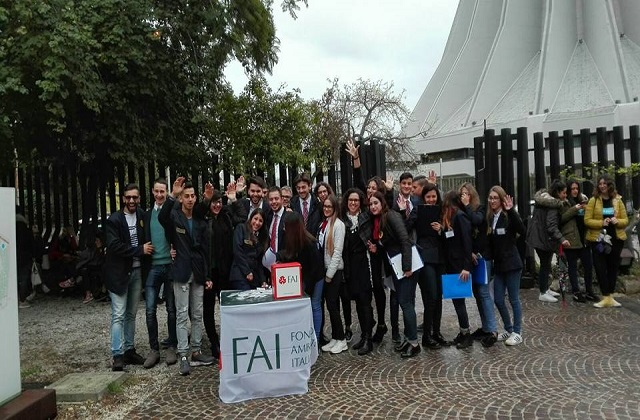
(268,259)
(396,262)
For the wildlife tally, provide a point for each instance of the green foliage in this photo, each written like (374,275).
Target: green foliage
(590,172)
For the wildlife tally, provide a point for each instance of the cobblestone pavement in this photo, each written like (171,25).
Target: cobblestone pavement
(575,362)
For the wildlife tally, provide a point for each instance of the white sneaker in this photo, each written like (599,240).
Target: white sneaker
(514,339)
(552,293)
(341,345)
(504,336)
(327,347)
(546,297)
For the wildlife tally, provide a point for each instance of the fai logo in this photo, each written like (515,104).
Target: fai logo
(282,280)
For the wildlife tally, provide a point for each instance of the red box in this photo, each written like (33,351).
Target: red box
(286,280)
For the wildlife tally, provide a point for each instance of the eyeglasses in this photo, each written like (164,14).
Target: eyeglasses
(131,197)
(287,196)
(354,200)
(216,203)
(491,198)
(327,207)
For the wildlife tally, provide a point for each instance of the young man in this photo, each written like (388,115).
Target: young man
(274,219)
(306,204)
(123,275)
(255,194)
(188,232)
(158,276)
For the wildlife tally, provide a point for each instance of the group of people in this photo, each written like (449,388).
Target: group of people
(195,248)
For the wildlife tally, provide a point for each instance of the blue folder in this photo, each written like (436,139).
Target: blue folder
(480,272)
(453,287)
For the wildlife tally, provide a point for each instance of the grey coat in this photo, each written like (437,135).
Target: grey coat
(543,231)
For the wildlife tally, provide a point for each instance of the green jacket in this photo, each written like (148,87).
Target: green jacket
(569,225)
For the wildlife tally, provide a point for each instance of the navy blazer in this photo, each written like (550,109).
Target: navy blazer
(315,213)
(503,243)
(281,237)
(246,205)
(119,252)
(409,222)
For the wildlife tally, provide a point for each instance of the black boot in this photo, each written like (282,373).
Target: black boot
(430,343)
(367,346)
(463,340)
(361,342)
(380,332)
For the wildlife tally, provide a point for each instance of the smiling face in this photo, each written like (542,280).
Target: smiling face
(131,199)
(302,188)
(256,222)
(494,201)
(431,198)
(327,208)
(216,206)
(603,187)
(375,206)
(574,189)
(323,193)
(406,186)
(159,193)
(371,188)
(255,194)
(353,203)
(275,201)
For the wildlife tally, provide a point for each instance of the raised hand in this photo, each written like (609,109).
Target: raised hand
(208,191)
(240,183)
(507,203)
(389,183)
(352,149)
(402,203)
(231,191)
(178,186)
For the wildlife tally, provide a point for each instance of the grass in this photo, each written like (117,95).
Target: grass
(115,388)
(30,371)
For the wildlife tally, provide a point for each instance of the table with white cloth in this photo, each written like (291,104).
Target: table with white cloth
(267,346)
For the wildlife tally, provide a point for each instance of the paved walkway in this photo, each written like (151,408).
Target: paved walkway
(575,362)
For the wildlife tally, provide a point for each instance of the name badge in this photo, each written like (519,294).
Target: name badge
(449,234)
(181,231)
(607,211)
(500,231)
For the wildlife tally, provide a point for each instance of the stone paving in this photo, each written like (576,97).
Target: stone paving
(575,362)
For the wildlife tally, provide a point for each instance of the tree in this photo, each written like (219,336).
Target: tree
(86,83)
(367,111)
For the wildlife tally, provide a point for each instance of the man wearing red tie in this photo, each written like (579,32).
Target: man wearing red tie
(306,204)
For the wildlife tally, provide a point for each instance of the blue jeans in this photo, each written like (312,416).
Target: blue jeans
(188,298)
(123,314)
(316,307)
(159,275)
(406,294)
(484,301)
(509,281)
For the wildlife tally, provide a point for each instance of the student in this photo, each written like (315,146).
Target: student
(189,271)
(250,241)
(504,225)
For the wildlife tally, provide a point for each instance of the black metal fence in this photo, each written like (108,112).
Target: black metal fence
(504,159)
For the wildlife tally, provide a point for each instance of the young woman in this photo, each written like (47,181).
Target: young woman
(357,264)
(322,190)
(504,224)
(572,228)
(331,239)
(302,247)
(543,233)
(250,240)
(389,237)
(456,231)
(431,244)
(605,212)
(477,214)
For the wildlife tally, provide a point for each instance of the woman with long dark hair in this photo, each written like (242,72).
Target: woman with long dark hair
(357,264)
(302,247)
(389,237)
(331,239)
(604,216)
(504,226)
(456,229)
(250,240)
(431,244)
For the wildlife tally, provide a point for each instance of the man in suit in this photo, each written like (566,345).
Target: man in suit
(123,275)
(306,204)
(406,203)
(274,219)
(255,199)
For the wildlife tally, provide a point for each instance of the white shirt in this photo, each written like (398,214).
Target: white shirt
(496,216)
(280,213)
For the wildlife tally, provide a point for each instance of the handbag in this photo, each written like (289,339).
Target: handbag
(36,279)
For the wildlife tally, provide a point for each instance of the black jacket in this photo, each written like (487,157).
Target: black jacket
(247,257)
(364,235)
(220,234)
(312,261)
(281,235)
(431,243)
(478,218)
(191,250)
(458,247)
(502,242)
(395,240)
(120,253)
(315,213)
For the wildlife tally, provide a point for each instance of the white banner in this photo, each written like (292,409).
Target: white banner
(267,346)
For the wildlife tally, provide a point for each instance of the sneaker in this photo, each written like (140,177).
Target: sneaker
(45,289)
(24,305)
(31,296)
(514,339)
(152,359)
(592,297)
(615,303)
(552,293)
(411,351)
(118,364)
(504,336)
(133,358)
(546,297)
(199,359)
(170,356)
(348,334)
(465,341)
(185,368)
(327,347)
(341,345)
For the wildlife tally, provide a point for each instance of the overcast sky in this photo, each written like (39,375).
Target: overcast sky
(400,41)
